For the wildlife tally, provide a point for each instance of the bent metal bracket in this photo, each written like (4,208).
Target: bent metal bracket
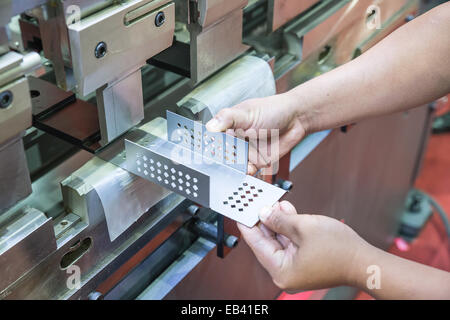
(207,168)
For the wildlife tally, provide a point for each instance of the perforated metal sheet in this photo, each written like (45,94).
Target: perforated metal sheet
(151,163)
(218,186)
(217,146)
(245,200)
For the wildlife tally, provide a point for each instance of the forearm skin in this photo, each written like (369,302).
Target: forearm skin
(400,279)
(409,68)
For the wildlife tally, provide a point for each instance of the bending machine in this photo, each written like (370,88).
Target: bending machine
(78,78)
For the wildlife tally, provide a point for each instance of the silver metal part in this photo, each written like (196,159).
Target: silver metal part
(202,27)
(207,53)
(16,116)
(247,78)
(127,46)
(15,183)
(215,146)
(154,163)
(120,106)
(123,197)
(24,242)
(214,184)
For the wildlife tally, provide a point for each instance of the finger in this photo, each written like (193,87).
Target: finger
(279,237)
(285,242)
(267,232)
(267,250)
(256,158)
(282,219)
(251,169)
(229,118)
(288,208)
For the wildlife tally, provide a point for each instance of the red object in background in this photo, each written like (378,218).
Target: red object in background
(431,247)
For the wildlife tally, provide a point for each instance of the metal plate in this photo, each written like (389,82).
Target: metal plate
(218,186)
(153,164)
(246,199)
(219,147)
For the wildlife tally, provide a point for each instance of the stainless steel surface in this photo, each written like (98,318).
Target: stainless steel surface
(120,107)
(128,46)
(123,197)
(123,35)
(154,163)
(212,182)
(18,238)
(47,280)
(219,147)
(248,77)
(15,113)
(15,183)
(209,54)
(201,27)
(211,11)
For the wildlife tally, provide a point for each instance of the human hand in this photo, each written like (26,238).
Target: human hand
(304,252)
(249,118)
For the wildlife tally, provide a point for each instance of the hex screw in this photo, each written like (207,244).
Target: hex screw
(193,210)
(6,98)
(231,241)
(100,50)
(160,19)
(284,184)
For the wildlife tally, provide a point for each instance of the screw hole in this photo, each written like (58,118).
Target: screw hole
(324,54)
(101,50)
(6,99)
(160,19)
(34,94)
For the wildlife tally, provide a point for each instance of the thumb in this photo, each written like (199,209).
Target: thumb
(230,118)
(282,218)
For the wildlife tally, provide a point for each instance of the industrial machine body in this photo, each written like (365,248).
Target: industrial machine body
(80,81)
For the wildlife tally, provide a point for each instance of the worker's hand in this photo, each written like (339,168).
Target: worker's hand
(249,119)
(305,252)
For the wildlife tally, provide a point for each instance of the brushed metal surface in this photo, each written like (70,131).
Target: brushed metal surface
(15,182)
(18,249)
(128,47)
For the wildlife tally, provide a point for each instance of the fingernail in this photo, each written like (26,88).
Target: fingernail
(265,213)
(213,125)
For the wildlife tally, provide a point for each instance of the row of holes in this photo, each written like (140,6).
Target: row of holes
(155,171)
(229,154)
(248,193)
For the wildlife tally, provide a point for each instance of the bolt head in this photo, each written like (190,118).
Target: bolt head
(6,98)
(160,19)
(100,50)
